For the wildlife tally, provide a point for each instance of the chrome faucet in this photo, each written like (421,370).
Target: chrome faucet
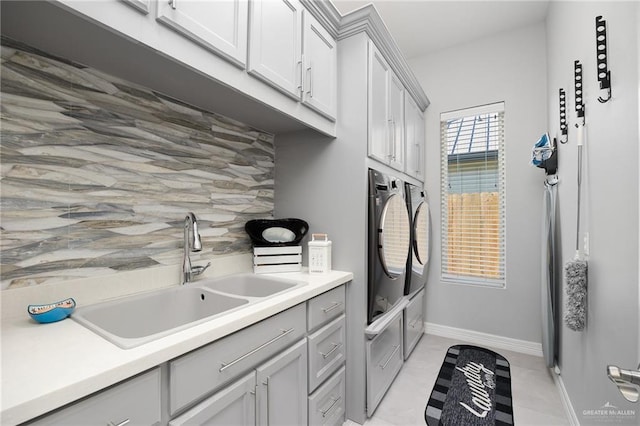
(628,382)
(192,243)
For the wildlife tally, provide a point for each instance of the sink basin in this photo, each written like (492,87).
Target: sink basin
(250,285)
(135,320)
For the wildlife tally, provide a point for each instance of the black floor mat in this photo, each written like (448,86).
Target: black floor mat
(473,388)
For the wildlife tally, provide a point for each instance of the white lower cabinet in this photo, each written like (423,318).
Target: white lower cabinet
(282,388)
(198,373)
(326,352)
(327,404)
(272,394)
(233,405)
(384,361)
(134,402)
(413,323)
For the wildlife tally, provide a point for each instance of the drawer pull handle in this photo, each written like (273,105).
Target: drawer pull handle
(248,354)
(173,6)
(301,85)
(333,404)
(413,323)
(332,307)
(122,423)
(395,350)
(310,70)
(335,347)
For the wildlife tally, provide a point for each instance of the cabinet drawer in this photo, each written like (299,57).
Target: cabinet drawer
(206,369)
(413,323)
(135,401)
(325,307)
(384,360)
(326,351)
(327,405)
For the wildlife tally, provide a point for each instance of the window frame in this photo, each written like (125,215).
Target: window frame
(468,279)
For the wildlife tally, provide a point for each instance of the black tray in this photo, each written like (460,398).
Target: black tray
(256,227)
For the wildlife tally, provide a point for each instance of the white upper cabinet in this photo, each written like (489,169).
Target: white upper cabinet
(275,44)
(220,26)
(320,68)
(378,115)
(292,52)
(414,138)
(386,112)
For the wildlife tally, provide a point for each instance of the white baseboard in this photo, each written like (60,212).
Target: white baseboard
(478,338)
(566,402)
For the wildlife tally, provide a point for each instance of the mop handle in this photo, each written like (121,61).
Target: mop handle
(580,135)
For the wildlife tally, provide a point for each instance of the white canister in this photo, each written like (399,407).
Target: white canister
(319,254)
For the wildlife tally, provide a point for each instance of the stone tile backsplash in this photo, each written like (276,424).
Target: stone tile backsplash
(97,174)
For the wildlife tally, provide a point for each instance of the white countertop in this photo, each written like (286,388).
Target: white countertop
(45,366)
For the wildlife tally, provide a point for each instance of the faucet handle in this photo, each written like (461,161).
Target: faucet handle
(197,270)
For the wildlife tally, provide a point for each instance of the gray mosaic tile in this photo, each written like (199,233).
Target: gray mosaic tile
(98,173)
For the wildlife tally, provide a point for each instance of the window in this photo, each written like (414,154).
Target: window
(473,195)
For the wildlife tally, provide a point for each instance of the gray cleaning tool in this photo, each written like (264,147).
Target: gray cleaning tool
(576,271)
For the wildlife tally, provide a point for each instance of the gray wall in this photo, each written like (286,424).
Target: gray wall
(324,181)
(507,67)
(611,335)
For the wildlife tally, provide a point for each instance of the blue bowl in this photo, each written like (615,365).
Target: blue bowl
(52,312)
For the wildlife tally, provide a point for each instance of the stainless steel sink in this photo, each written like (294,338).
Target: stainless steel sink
(250,285)
(135,320)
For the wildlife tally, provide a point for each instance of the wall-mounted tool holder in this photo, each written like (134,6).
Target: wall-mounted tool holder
(604,75)
(564,128)
(577,81)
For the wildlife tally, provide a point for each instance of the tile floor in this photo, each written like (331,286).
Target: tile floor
(536,400)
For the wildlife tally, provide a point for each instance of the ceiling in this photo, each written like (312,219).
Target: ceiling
(423,26)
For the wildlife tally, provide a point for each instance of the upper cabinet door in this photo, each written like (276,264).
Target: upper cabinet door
(141,5)
(320,67)
(378,105)
(396,118)
(220,26)
(275,51)
(414,138)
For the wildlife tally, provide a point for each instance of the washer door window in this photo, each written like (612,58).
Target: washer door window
(421,241)
(394,236)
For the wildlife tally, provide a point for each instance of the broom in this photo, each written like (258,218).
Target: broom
(576,271)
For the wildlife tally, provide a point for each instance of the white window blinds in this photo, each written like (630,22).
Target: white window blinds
(473,195)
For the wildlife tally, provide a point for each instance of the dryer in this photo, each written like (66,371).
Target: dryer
(417,266)
(418,260)
(389,240)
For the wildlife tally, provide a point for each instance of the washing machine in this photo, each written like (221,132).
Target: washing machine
(420,221)
(389,241)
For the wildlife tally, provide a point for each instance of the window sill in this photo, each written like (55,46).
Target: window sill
(475,282)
